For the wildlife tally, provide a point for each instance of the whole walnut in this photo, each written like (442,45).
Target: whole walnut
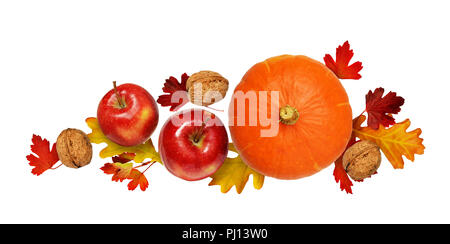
(74,148)
(362,160)
(206,87)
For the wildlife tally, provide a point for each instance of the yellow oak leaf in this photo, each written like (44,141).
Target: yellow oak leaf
(395,142)
(234,172)
(142,151)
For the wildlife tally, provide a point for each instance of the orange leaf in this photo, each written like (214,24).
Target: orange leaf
(125,171)
(395,142)
(43,158)
(120,171)
(137,178)
(341,67)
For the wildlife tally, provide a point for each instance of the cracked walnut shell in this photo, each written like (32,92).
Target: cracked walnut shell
(206,87)
(362,160)
(74,148)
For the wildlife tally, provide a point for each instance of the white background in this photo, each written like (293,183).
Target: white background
(58,58)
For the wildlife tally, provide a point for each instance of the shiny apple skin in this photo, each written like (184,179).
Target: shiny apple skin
(133,124)
(185,158)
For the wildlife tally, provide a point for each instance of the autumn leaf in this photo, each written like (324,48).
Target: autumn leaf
(120,171)
(395,142)
(124,158)
(43,158)
(125,171)
(142,151)
(379,108)
(340,175)
(341,67)
(177,93)
(234,172)
(137,179)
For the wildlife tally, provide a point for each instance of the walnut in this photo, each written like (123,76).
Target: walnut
(74,148)
(206,87)
(362,160)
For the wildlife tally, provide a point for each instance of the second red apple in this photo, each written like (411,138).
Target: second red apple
(193,144)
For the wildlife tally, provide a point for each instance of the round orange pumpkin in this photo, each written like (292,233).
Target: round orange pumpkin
(315,117)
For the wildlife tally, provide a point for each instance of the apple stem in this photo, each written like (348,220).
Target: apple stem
(119,99)
(199,133)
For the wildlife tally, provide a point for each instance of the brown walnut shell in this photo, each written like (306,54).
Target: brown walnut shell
(206,87)
(362,160)
(74,148)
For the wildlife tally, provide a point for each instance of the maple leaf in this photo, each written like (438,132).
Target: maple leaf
(120,171)
(142,151)
(125,171)
(341,67)
(379,108)
(43,158)
(340,175)
(137,178)
(234,172)
(394,142)
(177,93)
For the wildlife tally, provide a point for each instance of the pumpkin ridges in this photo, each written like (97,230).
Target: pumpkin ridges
(316,93)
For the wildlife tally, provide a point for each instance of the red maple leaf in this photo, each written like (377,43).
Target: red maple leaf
(341,67)
(177,95)
(43,158)
(340,175)
(379,108)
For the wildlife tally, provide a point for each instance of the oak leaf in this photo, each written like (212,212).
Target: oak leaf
(395,142)
(142,151)
(43,158)
(341,66)
(234,172)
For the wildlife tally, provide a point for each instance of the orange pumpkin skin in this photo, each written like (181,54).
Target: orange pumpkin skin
(315,140)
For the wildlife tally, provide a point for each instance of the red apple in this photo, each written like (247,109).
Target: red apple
(193,144)
(128,115)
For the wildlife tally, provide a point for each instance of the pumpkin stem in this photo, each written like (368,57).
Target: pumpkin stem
(288,115)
